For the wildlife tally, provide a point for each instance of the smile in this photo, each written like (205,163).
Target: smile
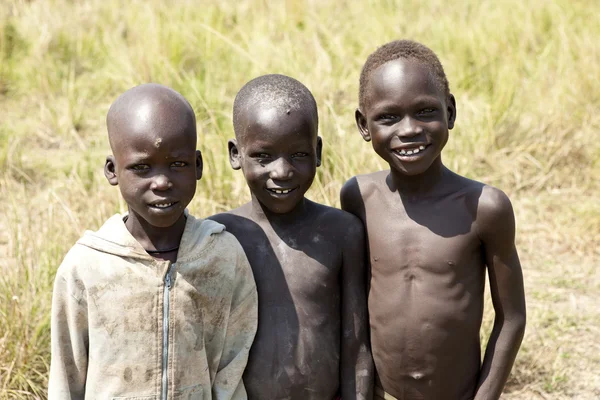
(410,151)
(162,205)
(281,191)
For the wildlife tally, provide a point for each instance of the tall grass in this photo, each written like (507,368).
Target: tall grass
(526,81)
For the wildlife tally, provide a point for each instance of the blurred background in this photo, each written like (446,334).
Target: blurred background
(526,76)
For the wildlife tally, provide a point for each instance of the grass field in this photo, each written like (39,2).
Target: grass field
(527,83)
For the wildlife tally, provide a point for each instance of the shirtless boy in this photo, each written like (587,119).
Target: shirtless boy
(307,258)
(431,234)
(156,304)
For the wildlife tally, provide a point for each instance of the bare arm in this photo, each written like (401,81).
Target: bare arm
(352,202)
(69,336)
(351,199)
(496,227)
(356,366)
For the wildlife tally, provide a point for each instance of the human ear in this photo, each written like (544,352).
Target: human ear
(451,111)
(234,154)
(361,123)
(319,150)
(199,165)
(109,170)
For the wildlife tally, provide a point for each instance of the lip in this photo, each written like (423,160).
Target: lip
(170,204)
(408,147)
(280,191)
(411,146)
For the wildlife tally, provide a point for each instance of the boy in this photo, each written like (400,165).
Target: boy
(156,304)
(431,233)
(307,259)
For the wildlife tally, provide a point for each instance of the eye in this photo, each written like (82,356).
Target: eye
(386,118)
(179,164)
(139,167)
(426,111)
(261,156)
(299,155)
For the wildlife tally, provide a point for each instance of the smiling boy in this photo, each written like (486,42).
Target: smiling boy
(156,304)
(307,258)
(431,234)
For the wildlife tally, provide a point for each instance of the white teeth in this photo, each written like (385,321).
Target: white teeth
(410,152)
(163,205)
(285,191)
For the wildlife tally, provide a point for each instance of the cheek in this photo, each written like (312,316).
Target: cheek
(252,172)
(379,140)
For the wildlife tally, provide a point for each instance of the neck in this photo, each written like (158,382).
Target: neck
(418,185)
(153,237)
(262,214)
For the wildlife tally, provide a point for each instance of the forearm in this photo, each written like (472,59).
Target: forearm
(241,328)
(500,355)
(356,377)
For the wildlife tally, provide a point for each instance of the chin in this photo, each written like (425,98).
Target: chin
(280,209)
(163,223)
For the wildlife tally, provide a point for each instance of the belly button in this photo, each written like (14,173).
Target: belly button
(416,375)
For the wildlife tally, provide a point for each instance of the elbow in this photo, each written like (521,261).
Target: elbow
(517,324)
(514,322)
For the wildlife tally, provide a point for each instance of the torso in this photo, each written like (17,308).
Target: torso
(426,294)
(295,354)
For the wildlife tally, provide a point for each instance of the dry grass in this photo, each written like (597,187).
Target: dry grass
(526,81)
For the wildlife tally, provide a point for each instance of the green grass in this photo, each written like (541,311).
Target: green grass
(525,77)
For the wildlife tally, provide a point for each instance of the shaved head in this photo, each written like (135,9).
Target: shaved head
(276,92)
(149,108)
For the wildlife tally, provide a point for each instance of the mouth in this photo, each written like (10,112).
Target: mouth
(411,152)
(280,191)
(163,205)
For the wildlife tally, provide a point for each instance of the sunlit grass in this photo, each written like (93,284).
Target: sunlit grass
(526,82)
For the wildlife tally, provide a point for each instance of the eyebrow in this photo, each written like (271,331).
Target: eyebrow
(143,156)
(423,100)
(137,156)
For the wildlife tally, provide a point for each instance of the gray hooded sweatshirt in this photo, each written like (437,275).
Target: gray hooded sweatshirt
(128,326)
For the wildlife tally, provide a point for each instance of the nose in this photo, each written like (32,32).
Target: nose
(161,182)
(281,169)
(409,127)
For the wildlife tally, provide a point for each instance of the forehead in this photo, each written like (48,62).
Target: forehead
(401,80)
(271,126)
(151,141)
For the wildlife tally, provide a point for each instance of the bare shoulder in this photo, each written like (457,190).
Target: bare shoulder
(493,203)
(495,215)
(364,183)
(234,220)
(338,222)
(357,189)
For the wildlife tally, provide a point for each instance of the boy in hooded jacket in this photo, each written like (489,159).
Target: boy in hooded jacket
(156,304)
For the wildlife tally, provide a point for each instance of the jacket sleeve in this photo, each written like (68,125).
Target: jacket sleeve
(241,329)
(69,335)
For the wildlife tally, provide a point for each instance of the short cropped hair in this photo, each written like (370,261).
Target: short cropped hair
(406,49)
(274,90)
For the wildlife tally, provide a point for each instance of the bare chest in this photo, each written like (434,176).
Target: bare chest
(302,267)
(435,238)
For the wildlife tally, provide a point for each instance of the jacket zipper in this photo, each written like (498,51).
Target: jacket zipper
(165,341)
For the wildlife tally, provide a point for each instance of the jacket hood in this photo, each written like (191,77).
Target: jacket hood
(114,238)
